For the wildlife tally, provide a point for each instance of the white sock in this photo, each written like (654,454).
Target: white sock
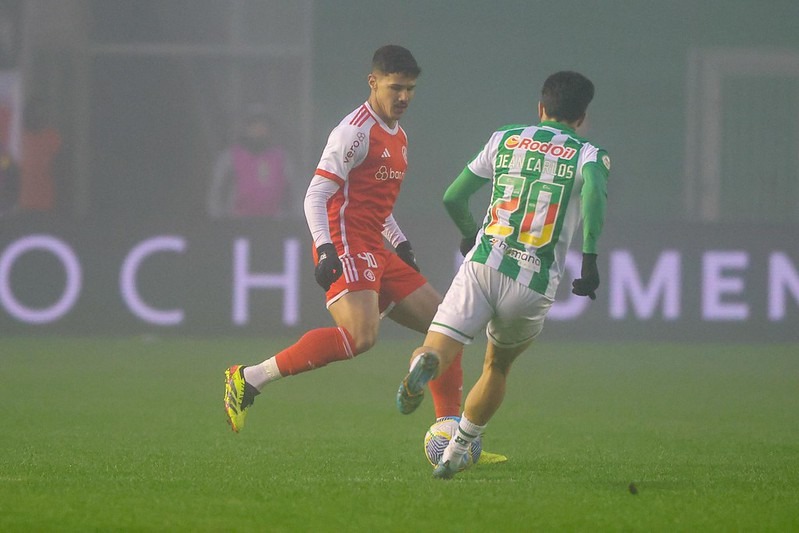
(261,374)
(467,432)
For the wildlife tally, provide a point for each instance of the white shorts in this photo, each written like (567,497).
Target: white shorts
(482,297)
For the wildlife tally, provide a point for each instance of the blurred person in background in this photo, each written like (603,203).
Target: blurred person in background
(41,146)
(252,177)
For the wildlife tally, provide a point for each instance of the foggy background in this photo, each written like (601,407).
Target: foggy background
(697,103)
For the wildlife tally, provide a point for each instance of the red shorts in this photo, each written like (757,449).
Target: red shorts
(380,271)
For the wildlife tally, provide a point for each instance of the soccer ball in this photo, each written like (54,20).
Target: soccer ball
(439,435)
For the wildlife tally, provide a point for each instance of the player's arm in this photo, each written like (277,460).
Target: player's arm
(401,244)
(456,202)
(594,199)
(344,151)
(328,266)
(319,192)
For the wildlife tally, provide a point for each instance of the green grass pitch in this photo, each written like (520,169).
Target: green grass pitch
(129,435)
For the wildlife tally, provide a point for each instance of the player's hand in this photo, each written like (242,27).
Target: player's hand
(589,278)
(328,268)
(467,243)
(405,253)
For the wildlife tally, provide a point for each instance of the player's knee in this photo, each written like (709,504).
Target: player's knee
(363,341)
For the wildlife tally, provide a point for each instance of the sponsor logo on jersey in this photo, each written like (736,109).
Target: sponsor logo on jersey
(354,146)
(387,173)
(524,259)
(517,142)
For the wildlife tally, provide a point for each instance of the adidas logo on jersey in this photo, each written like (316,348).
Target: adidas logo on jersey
(386,153)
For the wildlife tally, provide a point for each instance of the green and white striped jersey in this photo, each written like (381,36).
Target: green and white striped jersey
(546,181)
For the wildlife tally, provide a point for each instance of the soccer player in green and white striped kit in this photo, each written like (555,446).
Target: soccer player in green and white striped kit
(546,180)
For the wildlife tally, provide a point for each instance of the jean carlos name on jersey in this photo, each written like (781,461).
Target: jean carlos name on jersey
(537,164)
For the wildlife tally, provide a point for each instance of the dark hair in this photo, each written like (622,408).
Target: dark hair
(566,95)
(392,58)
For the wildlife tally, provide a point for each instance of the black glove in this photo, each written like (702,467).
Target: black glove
(405,253)
(467,243)
(589,278)
(328,268)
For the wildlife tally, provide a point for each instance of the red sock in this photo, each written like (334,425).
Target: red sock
(447,389)
(315,349)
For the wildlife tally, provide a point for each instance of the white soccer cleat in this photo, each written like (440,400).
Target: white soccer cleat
(447,469)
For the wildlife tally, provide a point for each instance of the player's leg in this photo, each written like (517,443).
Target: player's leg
(463,312)
(358,313)
(416,311)
(518,320)
(357,320)
(315,349)
(488,393)
(427,363)
(353,303)
(482,402)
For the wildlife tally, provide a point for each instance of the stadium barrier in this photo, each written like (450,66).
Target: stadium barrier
(665,283)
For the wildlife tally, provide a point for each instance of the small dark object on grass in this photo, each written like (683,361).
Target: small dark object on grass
(633,489)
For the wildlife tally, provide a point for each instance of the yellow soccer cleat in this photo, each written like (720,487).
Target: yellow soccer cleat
(488,458)
(239,395)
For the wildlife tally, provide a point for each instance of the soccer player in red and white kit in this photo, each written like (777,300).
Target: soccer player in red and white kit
(348,207)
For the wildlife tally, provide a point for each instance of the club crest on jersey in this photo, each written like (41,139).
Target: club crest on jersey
(517,142)
(387,173)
